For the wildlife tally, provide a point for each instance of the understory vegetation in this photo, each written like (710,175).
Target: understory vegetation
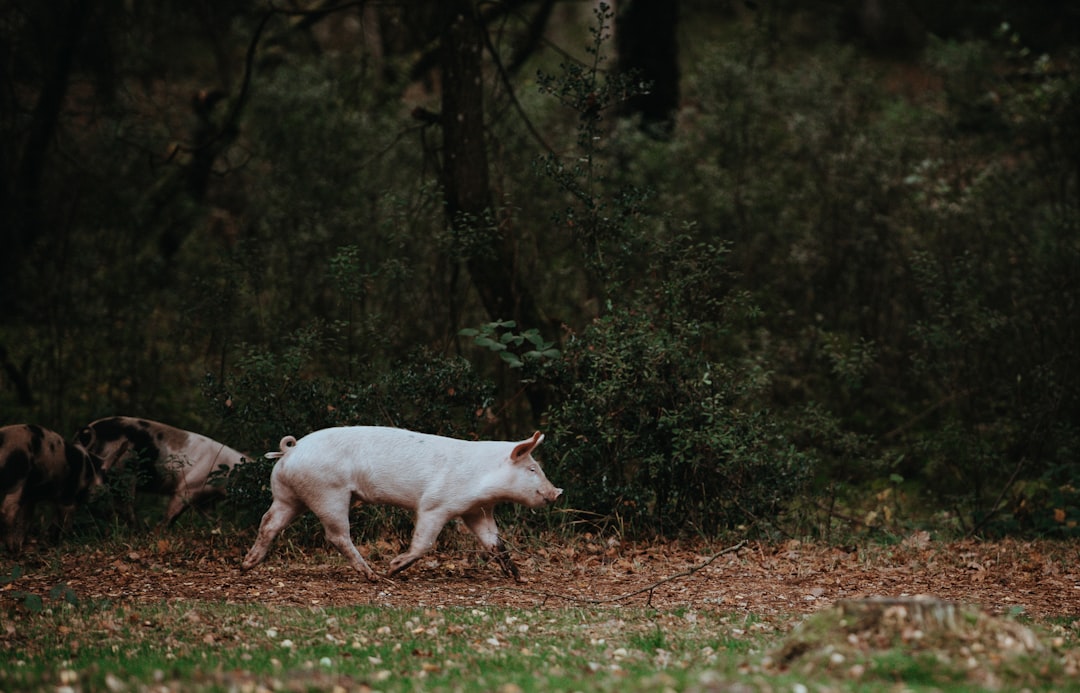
(840,297)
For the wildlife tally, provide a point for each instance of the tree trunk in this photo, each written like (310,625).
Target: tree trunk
(20,200)
(482,237)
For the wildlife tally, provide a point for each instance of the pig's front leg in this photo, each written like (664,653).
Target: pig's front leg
(177,504)
(481,522)
(426,531)
(61,523)
(15,519)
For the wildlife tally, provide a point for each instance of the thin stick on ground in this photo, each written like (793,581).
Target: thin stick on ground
(648,588)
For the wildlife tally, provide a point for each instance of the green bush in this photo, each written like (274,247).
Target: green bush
(653,437)
(658,418)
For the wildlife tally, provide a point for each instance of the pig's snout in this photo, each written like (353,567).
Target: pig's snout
(550,495)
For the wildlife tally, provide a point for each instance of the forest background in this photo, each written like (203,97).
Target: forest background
(808,268)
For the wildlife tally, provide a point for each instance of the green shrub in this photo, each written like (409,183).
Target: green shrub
(658,417)
(654,437)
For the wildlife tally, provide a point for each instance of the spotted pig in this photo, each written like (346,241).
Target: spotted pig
(161,459)
(37,465)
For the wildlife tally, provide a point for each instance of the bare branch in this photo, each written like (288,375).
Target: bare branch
(649,588)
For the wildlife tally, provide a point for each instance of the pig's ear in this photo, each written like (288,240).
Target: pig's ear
(523,450)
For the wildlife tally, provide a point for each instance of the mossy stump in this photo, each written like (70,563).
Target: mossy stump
(855,627)
(928,614)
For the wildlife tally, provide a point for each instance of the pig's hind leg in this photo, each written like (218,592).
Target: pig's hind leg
(13,519)
(333,511)
(279,515)
(481,522)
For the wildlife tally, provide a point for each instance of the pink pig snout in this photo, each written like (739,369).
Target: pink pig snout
(542,498)
(548,494)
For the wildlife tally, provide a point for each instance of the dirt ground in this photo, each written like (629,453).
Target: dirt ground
(1038,579)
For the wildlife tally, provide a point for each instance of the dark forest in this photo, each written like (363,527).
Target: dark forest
(807,268)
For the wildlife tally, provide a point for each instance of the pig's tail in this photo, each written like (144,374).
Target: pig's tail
(286,443)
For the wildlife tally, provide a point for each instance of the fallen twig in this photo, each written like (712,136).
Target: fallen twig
(649,588)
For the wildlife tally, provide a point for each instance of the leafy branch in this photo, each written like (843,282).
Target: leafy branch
(500,338)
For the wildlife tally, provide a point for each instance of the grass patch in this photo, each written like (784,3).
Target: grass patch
(217,646)
(207,646)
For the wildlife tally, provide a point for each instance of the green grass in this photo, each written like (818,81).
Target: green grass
(214,646)
(204,646)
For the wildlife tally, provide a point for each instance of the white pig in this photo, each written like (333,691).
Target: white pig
(437,478)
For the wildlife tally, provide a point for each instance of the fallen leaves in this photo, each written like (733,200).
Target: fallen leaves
(1041,578)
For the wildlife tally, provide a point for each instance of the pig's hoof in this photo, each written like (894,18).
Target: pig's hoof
(401,563)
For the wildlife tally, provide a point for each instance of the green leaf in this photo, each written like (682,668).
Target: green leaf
(511,359)
(468,332)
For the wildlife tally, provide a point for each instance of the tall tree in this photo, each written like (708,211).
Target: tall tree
(484,238)
(24,151)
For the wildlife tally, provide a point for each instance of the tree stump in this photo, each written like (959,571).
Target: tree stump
(853,628)
(927,619)
(925,613)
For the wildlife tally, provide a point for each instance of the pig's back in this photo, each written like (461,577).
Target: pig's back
(197,452)
(377,464)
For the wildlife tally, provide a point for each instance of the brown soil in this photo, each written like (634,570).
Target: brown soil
(1040,579)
